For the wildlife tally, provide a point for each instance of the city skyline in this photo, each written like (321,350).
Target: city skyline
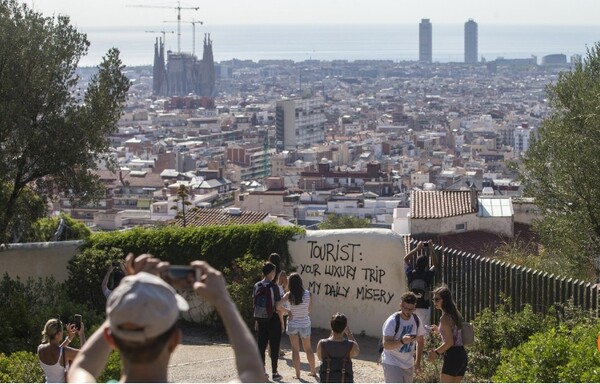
(88,14)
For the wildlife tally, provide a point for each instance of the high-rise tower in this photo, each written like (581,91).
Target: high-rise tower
(425,41)
(471,42)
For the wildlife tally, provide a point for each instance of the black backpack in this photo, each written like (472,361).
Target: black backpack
(418,285)
(396,327)
(336,369)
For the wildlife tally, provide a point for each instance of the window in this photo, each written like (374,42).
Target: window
(461,227)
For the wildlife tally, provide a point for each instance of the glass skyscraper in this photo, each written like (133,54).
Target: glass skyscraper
(471,42)
(425,41)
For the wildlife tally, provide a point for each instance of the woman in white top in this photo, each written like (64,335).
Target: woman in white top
(299,326)
(54,354)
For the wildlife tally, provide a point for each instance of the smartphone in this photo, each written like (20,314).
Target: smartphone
(77,321)
(181,277)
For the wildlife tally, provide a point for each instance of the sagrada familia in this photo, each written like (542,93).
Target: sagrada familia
(184,73)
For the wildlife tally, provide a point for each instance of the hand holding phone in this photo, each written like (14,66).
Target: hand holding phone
(181,277)
(77,322)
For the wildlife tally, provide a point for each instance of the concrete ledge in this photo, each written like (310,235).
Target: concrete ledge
(25,260)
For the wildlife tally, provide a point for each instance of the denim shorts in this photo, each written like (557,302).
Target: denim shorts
(304,332)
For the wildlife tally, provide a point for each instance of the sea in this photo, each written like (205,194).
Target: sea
(396,42)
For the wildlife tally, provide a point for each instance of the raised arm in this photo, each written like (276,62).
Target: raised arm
(106,277)
(409,256)
(432,255)
(211,286)
(91,359)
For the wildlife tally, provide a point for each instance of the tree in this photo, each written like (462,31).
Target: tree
(51,135)
(335,221)
(560,169)
(183,199)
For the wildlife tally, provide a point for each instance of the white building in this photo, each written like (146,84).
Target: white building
(299,122)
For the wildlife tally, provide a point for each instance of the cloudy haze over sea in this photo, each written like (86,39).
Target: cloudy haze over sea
(348,42)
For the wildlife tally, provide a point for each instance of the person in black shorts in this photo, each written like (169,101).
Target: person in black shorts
(450,329)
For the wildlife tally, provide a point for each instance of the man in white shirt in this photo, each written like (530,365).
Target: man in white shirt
(403,334)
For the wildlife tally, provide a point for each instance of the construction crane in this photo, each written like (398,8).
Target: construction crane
(193,22)
(178,8)
(163,33)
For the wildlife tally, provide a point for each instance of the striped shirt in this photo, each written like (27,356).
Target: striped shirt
(300,318)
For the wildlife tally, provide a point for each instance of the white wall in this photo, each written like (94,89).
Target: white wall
(359,272)
(445,225)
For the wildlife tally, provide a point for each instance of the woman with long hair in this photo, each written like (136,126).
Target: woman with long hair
(54,353)
(299,325)
(450,329)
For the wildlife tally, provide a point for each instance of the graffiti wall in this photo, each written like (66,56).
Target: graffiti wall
(359,272)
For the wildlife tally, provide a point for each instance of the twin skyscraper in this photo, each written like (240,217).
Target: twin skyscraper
(426,42)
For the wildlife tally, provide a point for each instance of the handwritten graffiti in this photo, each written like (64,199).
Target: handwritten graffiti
(337,262)
(336,290)
(374,274)
(346,271)
(334,252)
(375,294)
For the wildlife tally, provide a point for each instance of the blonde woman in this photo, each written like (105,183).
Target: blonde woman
(54,353)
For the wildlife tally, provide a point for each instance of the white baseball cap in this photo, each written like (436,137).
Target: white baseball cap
(145,301)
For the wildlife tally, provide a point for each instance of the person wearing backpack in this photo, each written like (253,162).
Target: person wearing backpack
(420,277)
(265,297)
(403,334)
(336,352)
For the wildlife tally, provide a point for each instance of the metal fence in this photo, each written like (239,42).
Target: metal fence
(478,282)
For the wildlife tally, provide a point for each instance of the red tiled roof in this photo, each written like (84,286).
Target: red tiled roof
(440,204)
(204,217)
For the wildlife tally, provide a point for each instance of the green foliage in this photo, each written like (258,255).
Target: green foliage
(26,308)
(50,138)
(241,276)
(86,272)
(504,330)
(558,174)
(45,228)
(557,355)
(29,207)
(218,245)
(112,371)
(21,367)
(335,221)
(183,200)
(523,254)
(498,330)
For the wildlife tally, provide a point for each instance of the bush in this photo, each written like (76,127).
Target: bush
(241,277)
(21,367)
(497,330)
(562,354)
(26,308)
(86,271)
(112,371)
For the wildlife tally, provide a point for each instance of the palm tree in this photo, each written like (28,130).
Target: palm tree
(183,198)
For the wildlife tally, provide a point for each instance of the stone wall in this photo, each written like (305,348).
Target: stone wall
(359,272)
(38,259)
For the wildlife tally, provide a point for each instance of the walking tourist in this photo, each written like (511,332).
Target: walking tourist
(403,335)
(267,323)
(450,328)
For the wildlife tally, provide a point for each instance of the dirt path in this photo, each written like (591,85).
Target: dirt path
(206,357)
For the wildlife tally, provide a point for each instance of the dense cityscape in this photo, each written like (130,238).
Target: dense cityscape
(295,141)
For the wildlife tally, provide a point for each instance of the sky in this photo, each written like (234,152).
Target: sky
(104,13)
